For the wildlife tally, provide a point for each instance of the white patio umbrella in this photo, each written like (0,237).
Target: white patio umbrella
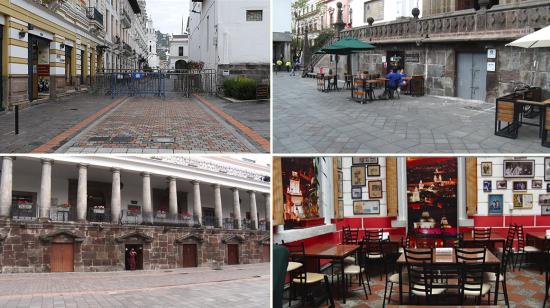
(536,39)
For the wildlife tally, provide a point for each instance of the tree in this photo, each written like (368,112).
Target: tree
(299,4)
(324,36)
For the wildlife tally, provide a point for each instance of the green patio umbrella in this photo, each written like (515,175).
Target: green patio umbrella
(346,46)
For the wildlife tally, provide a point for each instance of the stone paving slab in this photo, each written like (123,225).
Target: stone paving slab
(308,121)
(234,286)
(154,125)
(40,123)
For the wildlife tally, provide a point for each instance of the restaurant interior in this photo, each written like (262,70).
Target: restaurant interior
(409,231)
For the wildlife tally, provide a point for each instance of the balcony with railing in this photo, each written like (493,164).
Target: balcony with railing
(125,19)
(95,17)
(98,214)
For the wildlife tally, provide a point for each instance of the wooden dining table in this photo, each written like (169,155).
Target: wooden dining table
(492,264)
(329,251)
(495,238)
(539,237)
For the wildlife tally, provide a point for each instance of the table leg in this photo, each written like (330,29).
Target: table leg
(497,283)
(343,281)
(400,285)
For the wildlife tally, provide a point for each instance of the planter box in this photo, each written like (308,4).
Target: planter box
(99,211)
(63,209)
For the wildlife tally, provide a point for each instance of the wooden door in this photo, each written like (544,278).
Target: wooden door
(232,254)
(189,253)
(62,257)
(266,253)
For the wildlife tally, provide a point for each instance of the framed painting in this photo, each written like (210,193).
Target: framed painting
(495,204)
(373,170)
(375,189)
(364,160)
(358,177)
(544,199)
(519,185)
(340,185)
(536,184)
(523,201)
(366,207)
(545,210)
(356,192)
(547,168)
(502,184)
(519,168)
(487,186)
(486,168)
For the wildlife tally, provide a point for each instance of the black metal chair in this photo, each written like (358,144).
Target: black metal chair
(482,237)
(358,269)
(420,273)
(424,240)
(547,274)
(507,253)
(391,260)
(472,273)
(524,250)
(374,251)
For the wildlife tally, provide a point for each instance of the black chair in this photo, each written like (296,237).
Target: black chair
(524,250)
(391,260)
(547,274)
(350,237)
(374,252)
(420,273)
(472,273)
(358,269)
(424,240)
(507,253)
(482,237)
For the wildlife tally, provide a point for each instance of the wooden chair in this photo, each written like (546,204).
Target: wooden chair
(320,78)
(506,115)
(420,273)
(472,273)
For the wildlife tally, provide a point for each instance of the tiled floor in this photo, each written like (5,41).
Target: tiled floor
(525,289)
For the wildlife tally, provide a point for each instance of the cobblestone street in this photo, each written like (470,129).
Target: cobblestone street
(234,286)
(308,121)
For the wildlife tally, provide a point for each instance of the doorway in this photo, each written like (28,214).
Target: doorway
(82,59)
(62,257)
(138,248)
(395,60)
(68,65)
(472,75)
(189,254)
(232,254)
(266,253)
(38,67)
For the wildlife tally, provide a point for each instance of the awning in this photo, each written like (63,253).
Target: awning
(135,6)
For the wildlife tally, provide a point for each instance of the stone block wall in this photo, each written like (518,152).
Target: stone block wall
(259,72)
(101,247)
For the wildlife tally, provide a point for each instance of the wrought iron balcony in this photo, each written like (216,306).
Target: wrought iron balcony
(157,219)
(125,19)
(96,214)
(24,212)
(209,221)
(63,214)
(95,16)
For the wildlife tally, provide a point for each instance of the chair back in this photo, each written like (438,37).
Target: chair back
(350,236)
(472,268)
(280,262)
(373,241)
(521,238)
(424,240)
(419,263)
(482,237)
(296,253)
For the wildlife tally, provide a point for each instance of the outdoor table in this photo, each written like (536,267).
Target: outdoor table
(386,93)
(365,82)
(327,78)
(333,252)
(515,115)
(492,264)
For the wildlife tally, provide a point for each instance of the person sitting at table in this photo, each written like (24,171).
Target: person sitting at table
(403,75)
(394,80)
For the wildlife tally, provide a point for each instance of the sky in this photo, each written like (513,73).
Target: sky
(167,14)
(282,18)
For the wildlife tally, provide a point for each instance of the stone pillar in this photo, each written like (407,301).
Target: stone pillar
(147,205)
(82,193)
(46,189)
(218,212)
(237,207)
(116,201)
(6,185)
(267,206)
(173,197)
(197,205)
(253,209)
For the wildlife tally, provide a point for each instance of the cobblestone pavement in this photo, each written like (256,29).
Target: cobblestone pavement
(308,121)
(154,125)
(42,122)
(234,286)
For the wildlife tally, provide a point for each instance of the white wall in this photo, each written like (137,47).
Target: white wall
(482,208)
(392,10)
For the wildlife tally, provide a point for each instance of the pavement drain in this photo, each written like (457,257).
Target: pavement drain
(163,139)
(122,139)
(99,138)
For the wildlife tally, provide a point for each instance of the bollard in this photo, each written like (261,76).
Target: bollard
(17,119)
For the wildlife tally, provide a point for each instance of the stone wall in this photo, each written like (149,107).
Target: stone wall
(26,246)
(259,72)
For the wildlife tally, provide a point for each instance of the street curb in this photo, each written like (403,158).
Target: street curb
(250,133)
(58,140)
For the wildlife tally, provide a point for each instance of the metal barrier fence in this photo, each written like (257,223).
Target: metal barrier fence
(161,83)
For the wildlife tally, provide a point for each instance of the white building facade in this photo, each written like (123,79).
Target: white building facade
(152,59)
(179,51)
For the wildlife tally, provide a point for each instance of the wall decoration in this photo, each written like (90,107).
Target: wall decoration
(373,170)
(358,177)
(432,194)
(300,184)
(548,187)
(486,168)
(545,210)
(544,199)
(519,185)
(523,201)
(547,168)
(536,184)
(364,160)
(495,204)
(487,186)
(340,185)
(502,184)
(375,189)
(356,192)
(519,168)
(366,207)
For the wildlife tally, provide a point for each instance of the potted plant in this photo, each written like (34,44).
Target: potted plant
(65,207)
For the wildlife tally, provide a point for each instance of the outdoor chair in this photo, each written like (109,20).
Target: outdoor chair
(420,274)
(523,250)
(472,274)
(507,252)
(358,269)
(320,82)
(347,79)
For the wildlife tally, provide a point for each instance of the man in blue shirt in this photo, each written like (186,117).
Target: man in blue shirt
(394,81)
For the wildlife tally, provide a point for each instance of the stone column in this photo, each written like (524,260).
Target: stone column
(237,207)
(253,209)
(197,205)
(267,207)
(82,192)
(6,185)
(116,205)
(46,189)
(218,206)
(147,205)
(173,197)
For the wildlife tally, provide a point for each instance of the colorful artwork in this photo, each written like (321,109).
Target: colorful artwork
(300,188)
(358,177)
(366,207)
(375,189)
(495,204)
(523,201)
(432,194)
(487,186)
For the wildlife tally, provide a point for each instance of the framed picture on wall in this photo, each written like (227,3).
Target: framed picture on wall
(340,185)
(545,210)
(373,170)
(486,168)
(366,207)
(548,187)
(487,186)
(544,199)
(519,168)
(364,160)
(502,184)
(358,177)
(519,185)
(523,201)
(375,189)
(536,184)
(495,204)
(356,193)
(547,168)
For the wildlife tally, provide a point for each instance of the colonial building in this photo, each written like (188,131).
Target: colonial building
(231,37)
(153,58)
(85,213)
(281,45)
(52,48)
(458,46)
(179,51)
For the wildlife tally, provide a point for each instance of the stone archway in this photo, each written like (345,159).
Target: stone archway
(181,65)
(190,250)
(139,242)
